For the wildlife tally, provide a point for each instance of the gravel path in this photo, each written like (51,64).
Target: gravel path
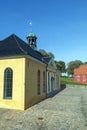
(65,111)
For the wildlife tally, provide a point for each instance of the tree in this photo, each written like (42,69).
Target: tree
(61,66)
(85,62)
(51,55)
(43,52)
(72,65)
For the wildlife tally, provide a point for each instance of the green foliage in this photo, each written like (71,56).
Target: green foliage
(66,80)
(61,66)
(43,52)
(72,65)
(46,54)
(69,80)
(51,55)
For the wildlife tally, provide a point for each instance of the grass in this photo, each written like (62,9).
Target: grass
(69,80)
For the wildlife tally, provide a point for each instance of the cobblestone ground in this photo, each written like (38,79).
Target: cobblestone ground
(65,111)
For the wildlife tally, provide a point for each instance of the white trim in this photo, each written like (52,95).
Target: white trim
(47,81)
(50,82)
(53,63)
(23,56)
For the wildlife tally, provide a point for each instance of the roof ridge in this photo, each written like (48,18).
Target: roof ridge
(6,37)
(18,44)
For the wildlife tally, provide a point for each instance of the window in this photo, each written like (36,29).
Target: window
(8,78)
(38,82)
(44,90)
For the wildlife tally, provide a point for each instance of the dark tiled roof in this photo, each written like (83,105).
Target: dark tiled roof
(47,59)
(13,45)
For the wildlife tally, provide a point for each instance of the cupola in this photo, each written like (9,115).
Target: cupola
(32,39)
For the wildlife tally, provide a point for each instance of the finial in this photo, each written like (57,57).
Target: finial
(30,24)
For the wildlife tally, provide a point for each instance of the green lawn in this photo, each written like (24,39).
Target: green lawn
(68,80)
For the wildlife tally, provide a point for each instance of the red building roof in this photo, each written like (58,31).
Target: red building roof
(81,70)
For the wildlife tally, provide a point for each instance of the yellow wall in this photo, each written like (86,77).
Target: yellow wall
(24,92)
(18,67)
(31,96)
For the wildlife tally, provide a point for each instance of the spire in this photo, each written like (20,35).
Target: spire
(32,38)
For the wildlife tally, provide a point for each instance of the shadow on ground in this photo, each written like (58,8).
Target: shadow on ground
(63,86)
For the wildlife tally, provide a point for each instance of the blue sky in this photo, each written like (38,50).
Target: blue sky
(60,25)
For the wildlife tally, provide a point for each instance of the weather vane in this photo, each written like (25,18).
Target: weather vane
(30,24)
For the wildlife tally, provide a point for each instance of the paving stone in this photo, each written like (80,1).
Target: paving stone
(65,111)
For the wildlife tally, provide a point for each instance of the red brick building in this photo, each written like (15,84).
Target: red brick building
(80,74)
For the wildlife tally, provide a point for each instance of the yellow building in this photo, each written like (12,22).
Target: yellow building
(26,76)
